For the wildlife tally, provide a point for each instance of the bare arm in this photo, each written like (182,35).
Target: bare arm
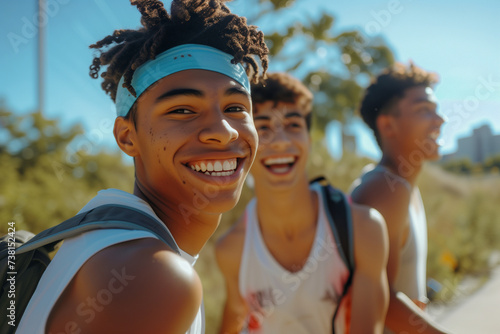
(408,317)
(228,252)
(392,201)
(138,286)
(370,292)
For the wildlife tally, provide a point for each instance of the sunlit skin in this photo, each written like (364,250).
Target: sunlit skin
(281,185)
(409,134)
(410,131)
(284,144)
(186,119)
(194,119)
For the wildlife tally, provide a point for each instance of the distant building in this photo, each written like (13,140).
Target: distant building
(481,145)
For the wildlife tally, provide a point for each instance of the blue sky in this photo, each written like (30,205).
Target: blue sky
(457,39)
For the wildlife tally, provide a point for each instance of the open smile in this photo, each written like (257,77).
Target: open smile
(280,165)
(224,167)
(434,136)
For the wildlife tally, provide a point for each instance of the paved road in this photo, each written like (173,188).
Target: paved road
(476,314)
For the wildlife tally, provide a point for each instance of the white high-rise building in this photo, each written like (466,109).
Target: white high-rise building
(481,145)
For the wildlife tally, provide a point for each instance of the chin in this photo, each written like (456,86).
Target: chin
(222,202)
(434,157)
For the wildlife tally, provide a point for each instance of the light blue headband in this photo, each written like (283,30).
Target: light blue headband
(179,58)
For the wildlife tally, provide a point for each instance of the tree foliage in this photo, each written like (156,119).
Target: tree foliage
(336,66)
(44,179)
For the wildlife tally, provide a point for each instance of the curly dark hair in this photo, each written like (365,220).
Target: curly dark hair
(388,87)
(282,87)
(207,22)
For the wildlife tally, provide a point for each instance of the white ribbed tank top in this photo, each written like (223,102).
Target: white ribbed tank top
(294,303)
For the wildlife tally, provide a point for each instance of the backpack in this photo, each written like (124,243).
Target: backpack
(339,217)
(25,256)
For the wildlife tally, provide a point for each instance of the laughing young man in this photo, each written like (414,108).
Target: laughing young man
(282,266)
(401,109)
(184,114)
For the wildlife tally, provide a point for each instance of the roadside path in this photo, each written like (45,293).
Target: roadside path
(475,314)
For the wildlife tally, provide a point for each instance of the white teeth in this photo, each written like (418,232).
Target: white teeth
(281,170)
(434,135)
(279,160)
(220,173)
(217,166)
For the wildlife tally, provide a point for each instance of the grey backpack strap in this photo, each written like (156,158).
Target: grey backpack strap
(110,216)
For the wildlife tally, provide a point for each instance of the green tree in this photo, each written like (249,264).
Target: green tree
(336,66)
(45,179)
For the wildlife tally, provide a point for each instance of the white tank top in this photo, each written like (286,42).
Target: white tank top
(411,277)
(74,252)
(294,303)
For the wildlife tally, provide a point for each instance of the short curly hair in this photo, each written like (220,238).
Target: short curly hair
(282,87)
(207,22)
(388,87)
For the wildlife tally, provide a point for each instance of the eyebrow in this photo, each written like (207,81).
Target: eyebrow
(288,115)
(179,92)
(294,114)
(236,91)
(423,102)
(198,93)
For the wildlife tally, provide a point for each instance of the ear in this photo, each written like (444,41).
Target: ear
(125,136)
(385,125)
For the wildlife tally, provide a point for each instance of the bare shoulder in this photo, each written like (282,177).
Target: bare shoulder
(132,287)
(388,196)
(229,248)
(381,190)
(370,233)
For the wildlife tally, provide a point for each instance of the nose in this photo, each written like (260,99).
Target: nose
(439,119)
(218,130)
(279,139)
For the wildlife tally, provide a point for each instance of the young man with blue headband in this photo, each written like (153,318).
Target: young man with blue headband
(184,114)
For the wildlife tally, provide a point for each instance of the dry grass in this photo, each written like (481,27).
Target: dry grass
(462,225)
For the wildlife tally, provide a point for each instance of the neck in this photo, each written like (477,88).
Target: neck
(275,209)
(403,165)
(190,228)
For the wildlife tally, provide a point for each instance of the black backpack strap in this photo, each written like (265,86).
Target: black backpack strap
(338,212)
(111,216)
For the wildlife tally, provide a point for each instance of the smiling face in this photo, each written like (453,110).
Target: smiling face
(194,144)
(284,143)
(417,123)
